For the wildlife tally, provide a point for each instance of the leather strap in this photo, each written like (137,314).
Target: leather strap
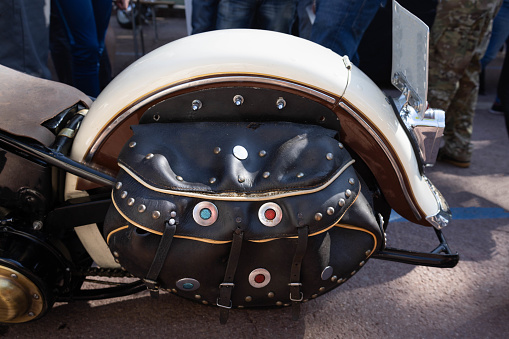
(159,258)
(295,284)
(225,289)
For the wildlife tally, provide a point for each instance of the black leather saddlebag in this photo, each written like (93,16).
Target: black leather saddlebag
(240,214)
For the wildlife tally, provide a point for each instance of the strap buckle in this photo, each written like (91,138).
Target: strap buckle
(301,297)
(223,306)
(227,285)
(151,285)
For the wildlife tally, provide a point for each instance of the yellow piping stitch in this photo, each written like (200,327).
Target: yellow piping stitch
(114,231)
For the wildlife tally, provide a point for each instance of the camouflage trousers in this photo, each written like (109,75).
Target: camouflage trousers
(459,38)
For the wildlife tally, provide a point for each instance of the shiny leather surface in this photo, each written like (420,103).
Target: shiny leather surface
(201,252)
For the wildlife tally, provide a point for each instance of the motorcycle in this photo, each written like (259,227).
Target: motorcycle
(235,168)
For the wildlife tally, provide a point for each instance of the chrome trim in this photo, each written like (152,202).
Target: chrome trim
(427,131)
(387,154)
(201,82)
(444,215)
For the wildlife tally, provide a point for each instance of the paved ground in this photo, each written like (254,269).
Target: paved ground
(383,300)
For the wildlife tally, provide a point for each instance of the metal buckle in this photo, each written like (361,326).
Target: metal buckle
(227,307)
(301,297)
(151,284)
(226,285)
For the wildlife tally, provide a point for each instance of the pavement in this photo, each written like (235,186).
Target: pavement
(384,300)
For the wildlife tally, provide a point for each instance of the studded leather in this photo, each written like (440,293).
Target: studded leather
(165,174)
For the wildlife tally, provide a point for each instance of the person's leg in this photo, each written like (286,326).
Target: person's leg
(499,34)
(235,13)
(204,15)
(80,24)
(503,89)
(276,15)
(340,25)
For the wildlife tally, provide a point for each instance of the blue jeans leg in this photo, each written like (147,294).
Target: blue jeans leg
(499,34)
(236,13)
(274,15)
(340,24)
(86,22)
(204,14)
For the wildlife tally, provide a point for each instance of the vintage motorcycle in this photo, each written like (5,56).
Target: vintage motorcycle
(235,168)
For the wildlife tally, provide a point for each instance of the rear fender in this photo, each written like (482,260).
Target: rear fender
(317,85)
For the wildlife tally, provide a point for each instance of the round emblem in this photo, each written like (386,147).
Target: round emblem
(259,278)
(205,213)
(270,214)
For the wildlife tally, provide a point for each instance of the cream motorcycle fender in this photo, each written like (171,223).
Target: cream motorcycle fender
(190,71)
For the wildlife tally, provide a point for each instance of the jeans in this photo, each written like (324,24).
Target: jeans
(340,24)
(86,22)
(204,14)
(274,15)
(499,34)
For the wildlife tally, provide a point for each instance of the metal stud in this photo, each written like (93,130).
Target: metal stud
(329,156)
(348,193)
(212,180)
(341,202)
(266,174)
(334,278)
(156,117)
(330,210)
(241,178)
(142,208)
(197,296)
(353,272)
(123,195)
(321,289)
(173,214)
(351,181)
(118,185)
(362,263)
(280,103)
(31,314)
(262,153)
(204,302)
(217,150)
(314,296)
(172,221)
(156,215)
(132,144)
(248,298)
(238,100)
(368,252)
(340,145)
(240,152)
(179,178)
(300,175)
(116,254)
(35,296)
(130,201)
(279,303)
(327,273)
(270,294)
(318,216)
(196,105)
(149,156)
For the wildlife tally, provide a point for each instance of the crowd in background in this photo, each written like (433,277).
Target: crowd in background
(460,33)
